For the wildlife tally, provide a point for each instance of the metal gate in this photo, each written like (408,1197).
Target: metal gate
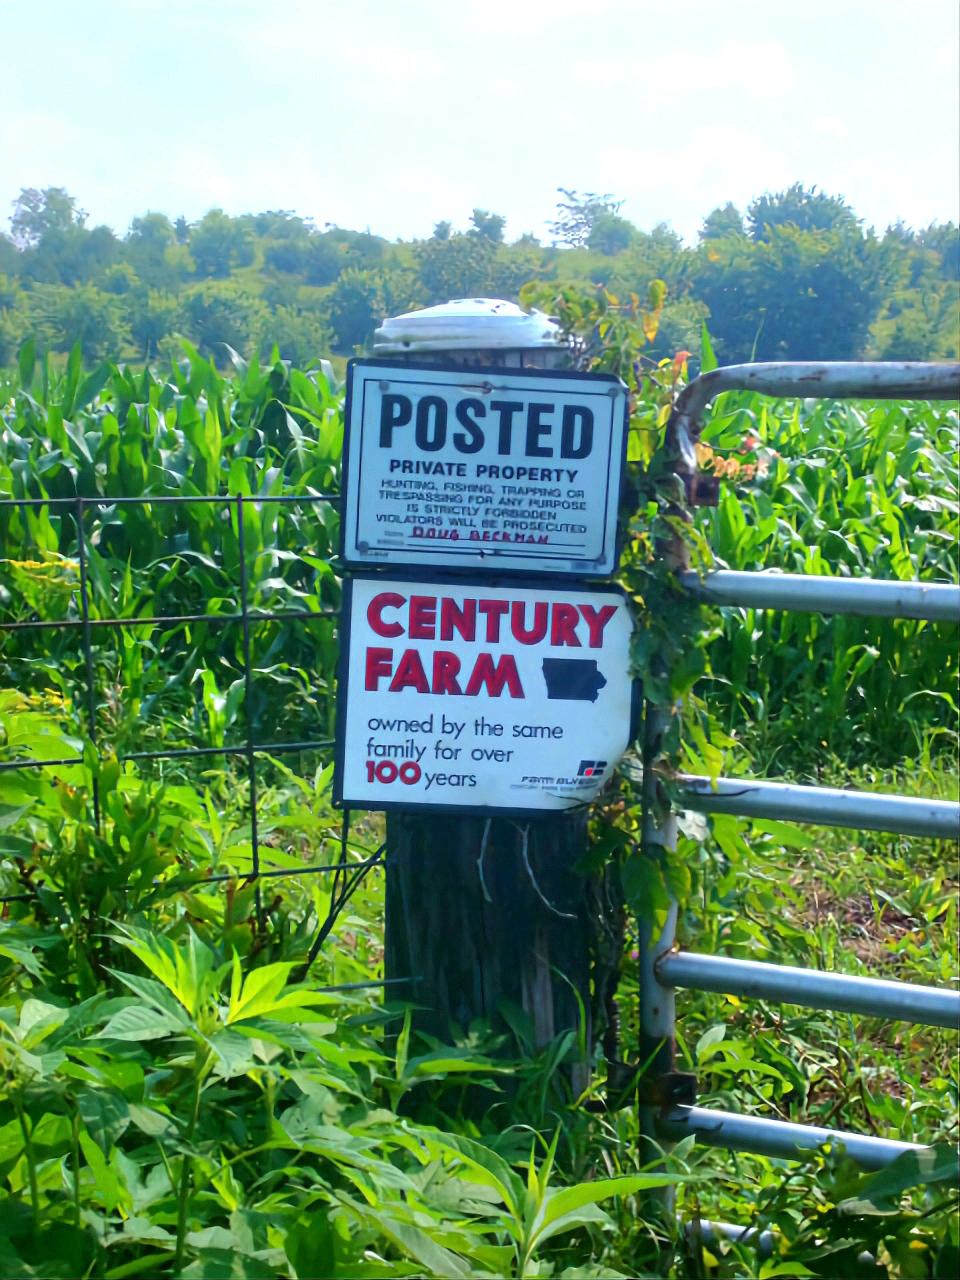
(669,1110)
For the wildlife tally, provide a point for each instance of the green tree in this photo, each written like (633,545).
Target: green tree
(487,226)
(679,327)
(455,268)
(361,299)
(301,336)
(219,313)
(16,323)
(798,295)
(119,278)
(806,209)
(146,246)
(70,255)
(944,239)
(356,308)
(83,314)
(178,265)
(511,268)
(277,224)
(8,291)
(658,254)
(9,257)
(36,212)
(153,316)
(323,260)
(10,339)
(288,256)
(218,243)
(726,220)
(442,230)
(610,234)
(358,248)
(577,213)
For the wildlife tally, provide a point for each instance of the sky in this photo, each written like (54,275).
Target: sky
(394,114)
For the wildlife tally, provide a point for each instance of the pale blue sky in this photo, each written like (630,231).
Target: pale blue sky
(392,115)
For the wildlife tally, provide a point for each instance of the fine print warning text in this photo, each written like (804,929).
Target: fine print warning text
(511,469)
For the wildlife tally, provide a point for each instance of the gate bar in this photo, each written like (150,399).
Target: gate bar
(778,1138)
(822,806)
(845,993)
(708,1231)
(764,1240)
(812,593)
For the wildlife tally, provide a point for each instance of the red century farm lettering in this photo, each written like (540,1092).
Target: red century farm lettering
(478,620)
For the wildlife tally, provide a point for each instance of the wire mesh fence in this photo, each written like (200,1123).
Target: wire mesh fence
(83,619)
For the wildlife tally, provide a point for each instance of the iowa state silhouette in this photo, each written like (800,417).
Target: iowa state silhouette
(573,679)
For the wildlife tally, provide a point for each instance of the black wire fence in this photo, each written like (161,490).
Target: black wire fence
(347,874)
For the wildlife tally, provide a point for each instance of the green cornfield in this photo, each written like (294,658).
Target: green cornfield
(178,1099)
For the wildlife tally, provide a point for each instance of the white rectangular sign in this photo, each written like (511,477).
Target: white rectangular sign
(492,469)
(479,697)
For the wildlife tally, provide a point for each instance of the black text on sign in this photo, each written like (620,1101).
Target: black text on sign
(511,469)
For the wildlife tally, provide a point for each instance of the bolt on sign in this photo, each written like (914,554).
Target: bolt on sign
(500,469)
(479,697)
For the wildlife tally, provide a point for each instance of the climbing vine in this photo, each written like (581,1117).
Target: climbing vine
(658,537)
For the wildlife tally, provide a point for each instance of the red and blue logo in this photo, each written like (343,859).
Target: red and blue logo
(591,768)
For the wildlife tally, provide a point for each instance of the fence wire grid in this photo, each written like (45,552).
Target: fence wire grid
(347,874)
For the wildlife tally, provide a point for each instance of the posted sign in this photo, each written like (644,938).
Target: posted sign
(480,697)
(502,469)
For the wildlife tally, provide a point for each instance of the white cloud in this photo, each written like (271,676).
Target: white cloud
(756,70)
(829,127)
(680,183)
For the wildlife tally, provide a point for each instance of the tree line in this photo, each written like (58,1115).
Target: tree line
(794,276)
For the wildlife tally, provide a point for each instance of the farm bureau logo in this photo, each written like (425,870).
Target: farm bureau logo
(588,774)
(591,768)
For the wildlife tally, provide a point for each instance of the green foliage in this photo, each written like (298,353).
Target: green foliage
(801,208)
(806,282)
(487,226)
(221,314)
(850,490)
(456,267)
(153,317)
(38,213)
(723,222)
(84,315)
(794,294)
(610,234)
(219,243)
(300,336)
(577,214)
(174,1103)
(147,244)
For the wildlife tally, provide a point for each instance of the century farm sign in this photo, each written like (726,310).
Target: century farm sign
(479,696)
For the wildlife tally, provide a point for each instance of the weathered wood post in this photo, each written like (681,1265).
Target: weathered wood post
(486,909)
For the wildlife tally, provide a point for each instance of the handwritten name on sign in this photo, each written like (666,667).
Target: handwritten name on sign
(480,698)
(511,469)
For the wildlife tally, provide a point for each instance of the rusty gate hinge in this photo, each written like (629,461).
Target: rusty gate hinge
(627,1087)
(672,1089)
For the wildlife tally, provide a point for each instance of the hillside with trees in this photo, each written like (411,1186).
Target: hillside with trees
(794,276)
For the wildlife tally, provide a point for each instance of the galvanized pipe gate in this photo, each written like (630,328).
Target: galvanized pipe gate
(669,1112)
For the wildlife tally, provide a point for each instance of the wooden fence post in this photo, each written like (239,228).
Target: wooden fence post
(486,913)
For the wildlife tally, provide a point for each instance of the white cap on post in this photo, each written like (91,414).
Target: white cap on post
(466,327)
